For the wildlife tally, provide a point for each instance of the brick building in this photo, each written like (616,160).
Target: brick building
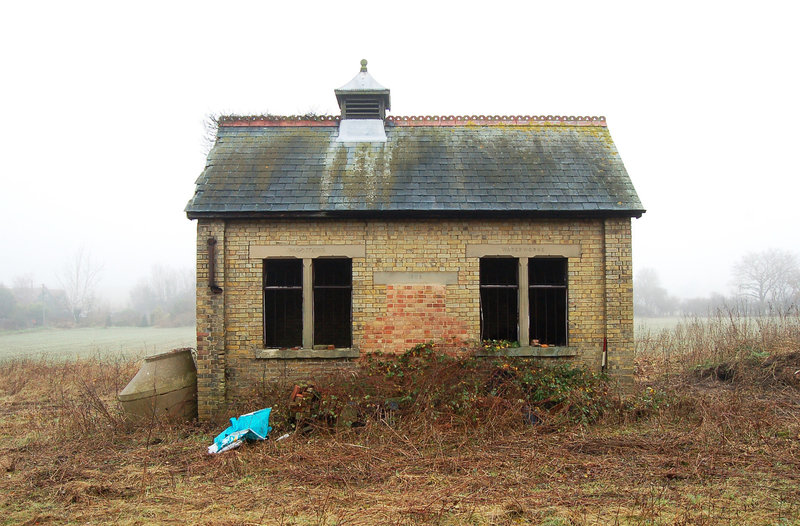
(322,238)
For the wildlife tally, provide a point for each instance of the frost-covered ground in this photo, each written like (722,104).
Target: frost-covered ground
(87,342)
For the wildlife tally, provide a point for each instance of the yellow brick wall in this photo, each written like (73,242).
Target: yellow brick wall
(211,352)
(619,299)
(604,269)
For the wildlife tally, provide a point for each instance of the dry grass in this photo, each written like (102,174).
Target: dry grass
(689,447)
(731,337)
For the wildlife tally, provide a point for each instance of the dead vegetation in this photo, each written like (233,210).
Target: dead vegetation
(711,435)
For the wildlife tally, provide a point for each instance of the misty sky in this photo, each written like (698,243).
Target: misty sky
(103,106)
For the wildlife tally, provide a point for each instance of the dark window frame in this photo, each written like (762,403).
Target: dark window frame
(502,294)
(548,300)
(546,296)
(334,326)
(283,293)
(278,289)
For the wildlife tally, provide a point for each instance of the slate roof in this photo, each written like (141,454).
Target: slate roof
(426,168)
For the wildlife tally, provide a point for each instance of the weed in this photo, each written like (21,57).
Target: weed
(498,345)
(459,389)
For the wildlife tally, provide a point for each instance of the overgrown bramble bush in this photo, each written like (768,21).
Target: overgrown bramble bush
(439,387)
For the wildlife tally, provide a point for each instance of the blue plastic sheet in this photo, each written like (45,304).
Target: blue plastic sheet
(250,427)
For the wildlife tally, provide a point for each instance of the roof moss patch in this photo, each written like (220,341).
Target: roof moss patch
(510,167)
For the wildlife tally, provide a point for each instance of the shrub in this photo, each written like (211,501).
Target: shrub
(425,383)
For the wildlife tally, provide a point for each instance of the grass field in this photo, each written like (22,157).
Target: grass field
(141,341)
(709,436)
(642,325)
(131,342)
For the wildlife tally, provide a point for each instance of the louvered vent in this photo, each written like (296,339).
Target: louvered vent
(362,107)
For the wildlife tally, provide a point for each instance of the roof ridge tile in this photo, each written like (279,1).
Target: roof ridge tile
(416,120)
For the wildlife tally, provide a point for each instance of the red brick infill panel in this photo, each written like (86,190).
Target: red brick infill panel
(414,314)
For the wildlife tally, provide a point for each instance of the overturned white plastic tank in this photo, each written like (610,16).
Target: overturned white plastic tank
(165,386)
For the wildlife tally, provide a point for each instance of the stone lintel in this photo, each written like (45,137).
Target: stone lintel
(523,251)
(415,278)
(308,251)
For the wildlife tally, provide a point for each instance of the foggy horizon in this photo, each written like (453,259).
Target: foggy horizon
(103,138)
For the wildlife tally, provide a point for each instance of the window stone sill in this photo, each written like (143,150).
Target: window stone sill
(544,352)
(306,354)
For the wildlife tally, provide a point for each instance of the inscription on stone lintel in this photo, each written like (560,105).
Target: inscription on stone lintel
(414,278)
(523,251)
(307,251)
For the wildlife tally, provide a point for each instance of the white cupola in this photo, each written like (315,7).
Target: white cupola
(363,103)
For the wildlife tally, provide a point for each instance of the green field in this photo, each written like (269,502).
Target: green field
(648,326)
(94,341)
(142,341)
(642,325)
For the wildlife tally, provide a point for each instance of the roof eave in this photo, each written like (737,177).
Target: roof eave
(419,214)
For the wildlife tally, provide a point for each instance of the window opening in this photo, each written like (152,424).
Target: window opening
(333,292)
(499,284)
(547,284)
(283,303)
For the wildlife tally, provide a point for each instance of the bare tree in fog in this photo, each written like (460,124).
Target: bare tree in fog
(79,278)
(210,129)
(7,302)
(166,296)
(24,289)
(770,278)
(649,297)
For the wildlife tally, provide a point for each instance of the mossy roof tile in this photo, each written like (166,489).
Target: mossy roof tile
(303,170)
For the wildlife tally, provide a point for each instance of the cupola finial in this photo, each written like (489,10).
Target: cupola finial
(364,65)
